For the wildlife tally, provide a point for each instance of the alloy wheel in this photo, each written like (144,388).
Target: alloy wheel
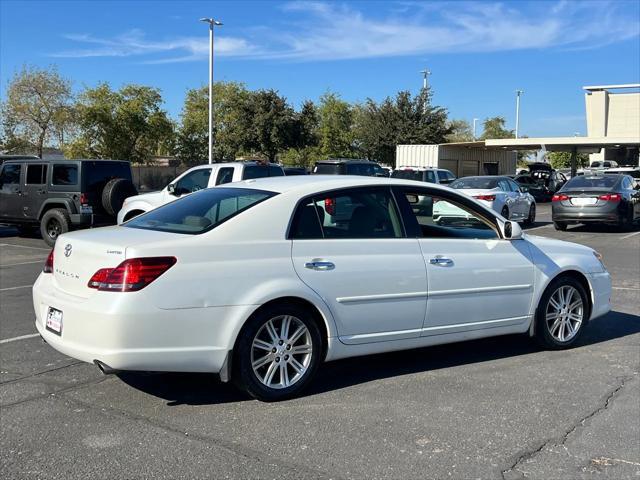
(564,313)
(54,228)
(281,352)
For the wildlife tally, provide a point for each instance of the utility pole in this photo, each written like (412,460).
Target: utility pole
(212,23)
(518,93)
(425,73)
(475,121)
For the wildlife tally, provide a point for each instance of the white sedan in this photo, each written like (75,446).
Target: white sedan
(258,282)
(501,194)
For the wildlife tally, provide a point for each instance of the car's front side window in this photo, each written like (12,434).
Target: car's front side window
(193,181)
(440,217)
(431,176)
(354,213)
(10,174)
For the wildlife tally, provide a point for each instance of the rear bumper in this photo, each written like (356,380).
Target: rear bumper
(88,219)
(126,332)
(586,217)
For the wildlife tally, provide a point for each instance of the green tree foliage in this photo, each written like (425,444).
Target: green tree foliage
(461,131)
(273,124)
(335,127)
(403,120)
(495,128)
(563,159)
(128,124)
(36,107)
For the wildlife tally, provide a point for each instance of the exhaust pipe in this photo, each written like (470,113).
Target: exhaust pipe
(104,368)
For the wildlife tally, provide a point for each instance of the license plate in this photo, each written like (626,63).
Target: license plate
(54,321)
(580,201)
(86,209)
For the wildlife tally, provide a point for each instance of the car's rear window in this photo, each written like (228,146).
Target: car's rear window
(97,174)
(483,183)
(261,171)
(328,168)
(201,211)
(407,174)
(598,182)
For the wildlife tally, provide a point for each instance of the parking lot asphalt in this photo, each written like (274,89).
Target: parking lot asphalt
(494,408)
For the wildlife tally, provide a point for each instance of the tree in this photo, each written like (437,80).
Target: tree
(563,159)
(335,127)
(127,124)
(494,127)
(400,120)
(273,123)
(461,131)
(36,100)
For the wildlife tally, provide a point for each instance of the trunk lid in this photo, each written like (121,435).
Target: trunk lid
(78,255)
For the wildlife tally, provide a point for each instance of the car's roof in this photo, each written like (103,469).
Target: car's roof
(486,176)
(61,160)
(420,169)
(314,183)
(345,160)
(234,164)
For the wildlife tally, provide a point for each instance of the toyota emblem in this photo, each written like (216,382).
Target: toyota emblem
(67,250)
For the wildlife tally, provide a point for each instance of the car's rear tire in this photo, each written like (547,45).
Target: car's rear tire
(54,223)
(626,220)
(531,219)
(269,362)
(562,226)
(505,212)
(114,194)
(561,314)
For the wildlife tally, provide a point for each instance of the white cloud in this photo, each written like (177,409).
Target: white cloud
(312,31)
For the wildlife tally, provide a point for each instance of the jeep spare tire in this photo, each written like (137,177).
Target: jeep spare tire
(114,193)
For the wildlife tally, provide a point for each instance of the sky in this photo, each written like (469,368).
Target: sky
(478,53)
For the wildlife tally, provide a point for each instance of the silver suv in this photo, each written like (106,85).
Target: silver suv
(424,174)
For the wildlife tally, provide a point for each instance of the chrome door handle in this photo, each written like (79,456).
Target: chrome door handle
(441,261)
(320,265)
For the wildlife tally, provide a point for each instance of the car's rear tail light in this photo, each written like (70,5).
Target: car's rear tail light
(488,198)
(48,265)
(559,197)
(99,277)
(84,200)
(330,205)
(610,197)
(133,274)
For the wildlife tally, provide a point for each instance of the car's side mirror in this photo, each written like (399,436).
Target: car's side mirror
(510,230)
(524,189)
(171,188)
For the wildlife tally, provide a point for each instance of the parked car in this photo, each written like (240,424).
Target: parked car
(603,164)
(538,190)
(347,166)
(295,171)
(633,172)
(194,179)
(424,174)
(181,288)
(598,198)
(61,195)
(546,175)
(501,194)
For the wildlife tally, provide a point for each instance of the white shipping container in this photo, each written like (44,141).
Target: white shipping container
(417,155)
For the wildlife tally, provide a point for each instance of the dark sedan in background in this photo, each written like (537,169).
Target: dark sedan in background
(597,198)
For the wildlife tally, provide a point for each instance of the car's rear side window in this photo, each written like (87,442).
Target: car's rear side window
(408,174)
(200,212)
(64,174)
(261,171)
(328,168)
(36,174)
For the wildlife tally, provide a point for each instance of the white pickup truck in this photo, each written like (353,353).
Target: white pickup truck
(195,179)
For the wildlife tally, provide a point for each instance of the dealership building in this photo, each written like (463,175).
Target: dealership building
(613,133)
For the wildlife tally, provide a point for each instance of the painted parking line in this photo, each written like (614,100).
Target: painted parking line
(21,337)
(630,235)
(15,288)
(23,246)
(637,289)
(22,263)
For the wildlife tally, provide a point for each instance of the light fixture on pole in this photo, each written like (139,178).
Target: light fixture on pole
(425,73)
(212,23)
(518,93)
(475,120)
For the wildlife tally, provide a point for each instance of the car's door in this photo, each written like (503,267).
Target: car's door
(370,275)
(522,199)
(11,191)
(34,189)
(476,279)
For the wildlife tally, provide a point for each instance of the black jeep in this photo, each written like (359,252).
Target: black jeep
(60,195)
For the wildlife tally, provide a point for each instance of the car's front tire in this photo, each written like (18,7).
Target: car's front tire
(277,353)
(561,314)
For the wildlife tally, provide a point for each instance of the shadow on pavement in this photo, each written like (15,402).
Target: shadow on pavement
(205,389)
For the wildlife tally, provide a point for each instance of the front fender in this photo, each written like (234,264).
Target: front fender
(132,206)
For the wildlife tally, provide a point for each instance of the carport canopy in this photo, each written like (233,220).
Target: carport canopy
(574,145)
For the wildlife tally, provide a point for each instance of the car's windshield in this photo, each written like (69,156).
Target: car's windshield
(482,183)
(595,182)
(200,212)
(407,174)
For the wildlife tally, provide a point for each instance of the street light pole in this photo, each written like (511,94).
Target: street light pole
(212,23)
(518,93)
(475,120)
(425,82)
